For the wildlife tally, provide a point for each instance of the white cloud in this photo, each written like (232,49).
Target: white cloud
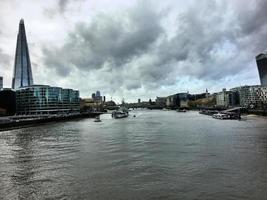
(133,49)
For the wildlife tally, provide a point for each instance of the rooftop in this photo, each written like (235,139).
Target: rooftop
(21,21)
(43,86)
(261,56)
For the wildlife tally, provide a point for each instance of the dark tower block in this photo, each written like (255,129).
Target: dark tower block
(262,67)
(22,68)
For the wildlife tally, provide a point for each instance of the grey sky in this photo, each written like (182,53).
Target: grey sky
(137,49)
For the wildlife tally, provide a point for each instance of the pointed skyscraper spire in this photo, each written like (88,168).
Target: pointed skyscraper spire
(22,68)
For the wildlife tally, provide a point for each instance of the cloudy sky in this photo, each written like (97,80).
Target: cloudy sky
(137,49)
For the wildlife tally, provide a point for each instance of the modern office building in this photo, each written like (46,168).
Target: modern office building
(227,98)
(97,97)
(177,100)
(43,99)
(261,60)
(22,68)
(194,97)
(97,94)
(1,82)
(253,97)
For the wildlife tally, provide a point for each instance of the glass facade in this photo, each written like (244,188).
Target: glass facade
(262,68)
(22,68)
(177,100)
(252,96)
(227,98)
(43,99)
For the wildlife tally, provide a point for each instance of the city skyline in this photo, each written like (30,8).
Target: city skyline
(110,49)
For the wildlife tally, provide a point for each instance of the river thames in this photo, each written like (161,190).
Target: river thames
(156,155)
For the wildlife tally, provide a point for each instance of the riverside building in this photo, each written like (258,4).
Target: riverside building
(177,100)
(38,99)
(254,97)
(227,98)
(44,99)
(261,60)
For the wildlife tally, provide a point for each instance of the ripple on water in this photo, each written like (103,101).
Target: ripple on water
(157,155)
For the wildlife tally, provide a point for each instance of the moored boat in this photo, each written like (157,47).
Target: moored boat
(221,116)
(166,109)
(97,119)
(121,113)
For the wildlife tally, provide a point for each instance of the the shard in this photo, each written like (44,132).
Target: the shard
(22,68)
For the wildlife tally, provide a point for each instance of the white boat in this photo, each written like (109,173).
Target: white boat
(221,116)
(166,109)
(121,113)
(97,119)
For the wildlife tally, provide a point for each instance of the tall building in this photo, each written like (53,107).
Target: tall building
(227,98)
(261,60)
(1,82)
(97,97)
(177,100)
(97,94)
(22,67)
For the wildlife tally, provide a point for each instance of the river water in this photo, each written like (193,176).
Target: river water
(156,155)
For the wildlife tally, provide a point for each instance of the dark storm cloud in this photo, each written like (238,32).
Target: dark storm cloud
(198,40)
(253,23)
(57,60)
(108,41)
(62,5)
(210,41)
(253,18)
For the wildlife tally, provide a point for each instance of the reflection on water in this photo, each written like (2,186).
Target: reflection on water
(157,155)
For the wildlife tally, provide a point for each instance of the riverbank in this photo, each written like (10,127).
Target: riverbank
(20,121)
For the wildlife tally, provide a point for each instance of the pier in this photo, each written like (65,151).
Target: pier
(233,113)
(20,121)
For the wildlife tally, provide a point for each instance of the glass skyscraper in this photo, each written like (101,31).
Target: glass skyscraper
(22,68)
(262,67)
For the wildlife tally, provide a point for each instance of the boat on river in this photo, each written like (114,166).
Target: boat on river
(121,113)
(166,109)
(227,115)
(181,110)
(97,119)
(221,116)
